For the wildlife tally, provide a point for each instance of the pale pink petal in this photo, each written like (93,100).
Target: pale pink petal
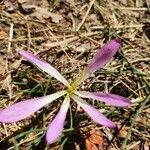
(56,126)
(104,55)
(25,108)
(94,113)
(108,98)
(44,66)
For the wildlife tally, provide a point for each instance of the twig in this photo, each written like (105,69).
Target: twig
(83,20)
(119,26)
(54,44)
(10,37)
(69,40)
(58,42)
(134,145)
(133,8)
(129,87)
(5,128)
(8,78)
(29,36)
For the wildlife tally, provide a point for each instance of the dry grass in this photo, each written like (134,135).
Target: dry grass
(68,41)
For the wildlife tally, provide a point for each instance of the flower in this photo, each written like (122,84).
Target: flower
(25,108)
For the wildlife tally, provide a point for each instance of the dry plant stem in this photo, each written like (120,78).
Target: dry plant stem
(141,59)
(22,38)
(24,141)
(29,35)
(73,22)
(134,145)
(144,136)
(59,43)
(55,44)
(5,128)
(133,121)
(132,8)
(84,18)
(10,37)
(7,69)
(129,88)
(119,26)
(69,40)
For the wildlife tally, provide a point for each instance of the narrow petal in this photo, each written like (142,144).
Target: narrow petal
(25,108)
(112,99)
(94,113)
(104,55)
(44,66)
(56,127)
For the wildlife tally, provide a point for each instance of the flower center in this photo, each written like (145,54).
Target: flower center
(74,84)
(71,89)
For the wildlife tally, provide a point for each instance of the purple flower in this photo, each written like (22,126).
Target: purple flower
(25,108)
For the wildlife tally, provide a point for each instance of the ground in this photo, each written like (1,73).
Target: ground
(67,33)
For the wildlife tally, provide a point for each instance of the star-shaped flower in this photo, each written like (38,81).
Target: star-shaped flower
(25,108)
